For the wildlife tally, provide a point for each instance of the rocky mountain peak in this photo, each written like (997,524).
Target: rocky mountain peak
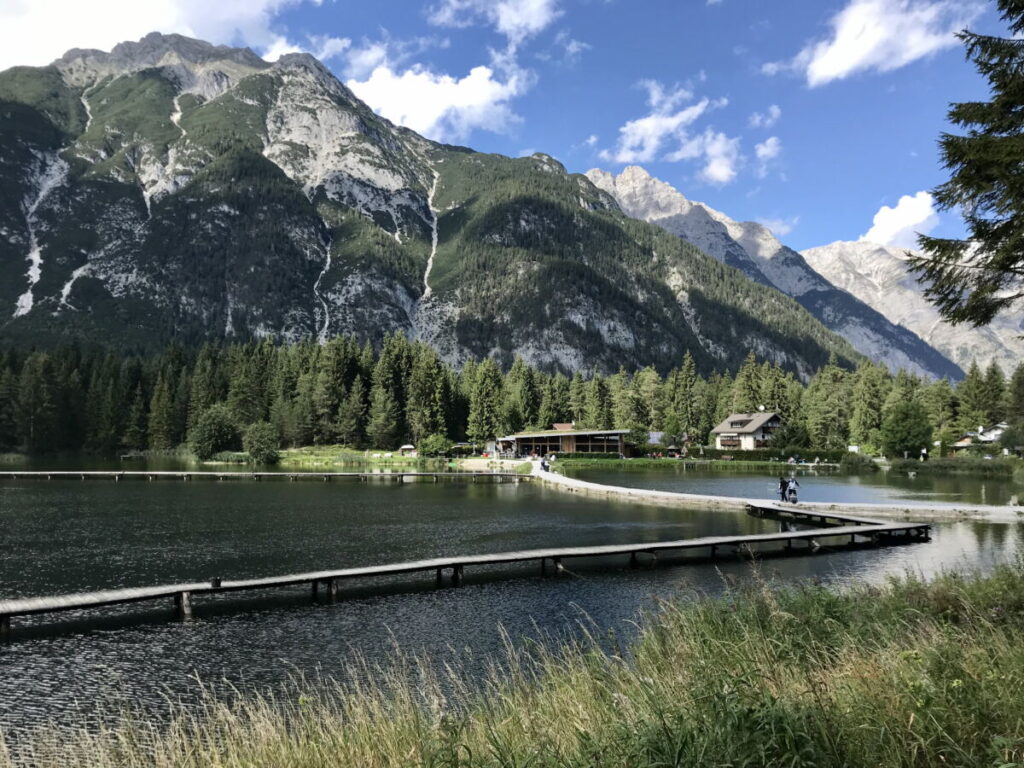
(189,59)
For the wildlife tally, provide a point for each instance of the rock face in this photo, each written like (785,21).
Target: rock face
(878,276)
(176,190)
(753,249)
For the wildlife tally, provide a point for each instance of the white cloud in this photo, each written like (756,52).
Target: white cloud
(899,226)
(766,151)
(591,140)
(515,19)
(720,153)
(440,106)
(780,227)
(880,35)
(35,32)
(668,123)
(571,47)
(766,120)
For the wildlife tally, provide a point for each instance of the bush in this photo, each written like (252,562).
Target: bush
(261,443)
(432,446)
(214,431)
(567,455)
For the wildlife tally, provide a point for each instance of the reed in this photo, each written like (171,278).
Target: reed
(908,674)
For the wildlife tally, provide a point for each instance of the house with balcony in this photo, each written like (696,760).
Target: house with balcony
(746,431)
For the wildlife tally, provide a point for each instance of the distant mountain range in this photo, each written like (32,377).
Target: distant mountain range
(878,276)
(752,248)
(175,190)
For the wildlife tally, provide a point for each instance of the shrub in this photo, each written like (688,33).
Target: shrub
(261,442)
(434,445)
(905,429)
(857,462)
(214,431)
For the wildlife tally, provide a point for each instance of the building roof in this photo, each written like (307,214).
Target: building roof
(744,423)
(565,432)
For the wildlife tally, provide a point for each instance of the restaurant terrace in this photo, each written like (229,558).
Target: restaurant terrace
(564,438)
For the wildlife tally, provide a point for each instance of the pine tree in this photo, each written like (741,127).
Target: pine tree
(425,408)
(598,409)
(36,409)
(995,393)
(382,426)
(350,424)
(746,389)
(827,406)
(8,412)
(973,399)
(135,429)
(162,432)
(1015,397)
(971,280)
(870,389)
(485,404)
(578,398)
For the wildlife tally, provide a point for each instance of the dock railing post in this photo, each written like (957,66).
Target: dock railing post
(183,605)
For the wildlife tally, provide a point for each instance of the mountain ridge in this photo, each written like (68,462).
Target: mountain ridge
(753,249)
(174,190)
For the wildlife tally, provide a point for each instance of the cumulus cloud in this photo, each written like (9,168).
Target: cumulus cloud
(879,35)
(766,151)
(720,154)
(766,119)
(899,226)
(665,133)
(515,19)
(440,106)
(35,32)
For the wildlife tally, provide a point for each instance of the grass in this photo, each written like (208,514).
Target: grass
(339,455)
(911,674)
(968,465)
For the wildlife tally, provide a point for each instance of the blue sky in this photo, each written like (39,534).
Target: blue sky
(812,115)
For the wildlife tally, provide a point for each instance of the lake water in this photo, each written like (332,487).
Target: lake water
(65,536)
(815,484)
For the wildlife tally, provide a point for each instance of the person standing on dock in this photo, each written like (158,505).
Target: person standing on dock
(791,487)
(783,487)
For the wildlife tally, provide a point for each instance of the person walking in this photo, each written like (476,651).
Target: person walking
(791,487)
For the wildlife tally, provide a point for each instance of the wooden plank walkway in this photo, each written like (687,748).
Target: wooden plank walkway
(394,475)
(835,525)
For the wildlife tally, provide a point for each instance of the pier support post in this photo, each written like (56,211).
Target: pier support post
(558,565)
(183,605)
(332,590)
(543,566)
(440,576)
(632,560)
(315,591)
(5,628)
(457,575)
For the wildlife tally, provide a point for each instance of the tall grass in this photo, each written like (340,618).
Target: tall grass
(912,674)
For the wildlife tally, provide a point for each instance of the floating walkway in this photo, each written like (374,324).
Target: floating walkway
(839,529)
(393,475)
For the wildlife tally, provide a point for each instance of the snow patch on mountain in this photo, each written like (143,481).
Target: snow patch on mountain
(49,171)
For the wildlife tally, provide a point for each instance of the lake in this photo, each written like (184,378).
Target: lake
(64,536)
(827,485)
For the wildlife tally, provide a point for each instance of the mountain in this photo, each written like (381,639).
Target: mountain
(754,250)
(175,190)
(878,276)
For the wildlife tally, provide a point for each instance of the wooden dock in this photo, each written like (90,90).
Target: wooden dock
(392,475)
(830,525)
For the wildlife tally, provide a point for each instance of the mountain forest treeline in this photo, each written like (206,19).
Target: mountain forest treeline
(343,393)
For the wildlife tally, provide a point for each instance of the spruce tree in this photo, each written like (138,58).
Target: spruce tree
(973,279)
(995,393)
(382,426)
(1015,397)
(37,409)
(870,389)
(162,432)
(578,398)
(135,434)
(746,389)
(485,404)
(972,396)
(598,409)
(350,423)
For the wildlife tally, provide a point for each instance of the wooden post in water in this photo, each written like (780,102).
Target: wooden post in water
(316,591)
(332,590)
(183,605)
(440,576)
(457,575)
(5,628)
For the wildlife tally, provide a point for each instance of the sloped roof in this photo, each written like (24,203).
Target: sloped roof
(753,422)
(564,432)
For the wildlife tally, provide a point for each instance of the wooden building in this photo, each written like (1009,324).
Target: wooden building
(746,431)
(564,438)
